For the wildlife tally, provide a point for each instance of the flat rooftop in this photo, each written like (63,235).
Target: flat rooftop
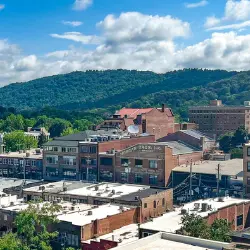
(77,214)
(177,146)
(171,221)
(166,241)
(28,154)
(232,167)
(13,182)
(105,190)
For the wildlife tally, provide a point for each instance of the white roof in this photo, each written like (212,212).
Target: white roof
(105,190)
(171,221)
(32,154)
(13,182)
(166,241)
(232,167)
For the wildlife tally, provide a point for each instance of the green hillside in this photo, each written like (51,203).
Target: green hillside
(101,89)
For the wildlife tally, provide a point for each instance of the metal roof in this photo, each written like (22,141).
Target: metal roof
(196,134)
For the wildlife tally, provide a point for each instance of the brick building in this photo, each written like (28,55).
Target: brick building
(75,157)
(154,121)
(235,211)
(246,169)
(23,164)
(152,163)
(152,201)
(218,119)
(193,138)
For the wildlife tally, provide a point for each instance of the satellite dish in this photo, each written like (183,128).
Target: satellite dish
(133,129)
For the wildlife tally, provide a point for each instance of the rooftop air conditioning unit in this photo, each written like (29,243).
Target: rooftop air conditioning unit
(204,207)
(11,203)
(74,202)
(90,212)
(183,211)
(96,188)
(113,191)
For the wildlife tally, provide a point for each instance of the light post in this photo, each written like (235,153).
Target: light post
(88,161)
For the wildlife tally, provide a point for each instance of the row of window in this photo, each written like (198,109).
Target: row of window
(139,163)
(61,149)
(217,111)
(89,149)
(163,203)
(138,178)
(11,161)
(54,172)
(66,160)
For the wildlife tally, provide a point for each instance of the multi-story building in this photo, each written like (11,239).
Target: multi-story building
(152,163)
(218,119)
(76,157)
(154,121)
(36,133)
(246,169)
(23,164)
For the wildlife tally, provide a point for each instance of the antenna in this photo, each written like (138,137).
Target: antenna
(133,129)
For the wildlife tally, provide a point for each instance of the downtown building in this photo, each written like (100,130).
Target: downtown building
(217,119)
(76,157)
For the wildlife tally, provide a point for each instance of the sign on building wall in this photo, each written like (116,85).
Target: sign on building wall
(143,148)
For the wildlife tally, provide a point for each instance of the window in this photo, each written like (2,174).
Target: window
(239,220)
(145,205)
(52,172)
(33,163)
(138,163)
(11,161)
(153,179)
(248,151)
(55,149)
(138,178)
(5,217)
(1,159)
(84,149)
(89,161)
(63,149)
(154,204)
(124,162)
(69,173)
(124,177)
(92,150)
(152,164)
(248,180)
(106,161)
(52,159)
(16,162)
(71,150)
(163,202)
(67,160)
(248,166)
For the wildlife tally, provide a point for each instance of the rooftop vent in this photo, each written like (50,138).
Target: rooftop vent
(72,208)
(90,212)
(196,206)
(183,211)
(113,191)
(74,202)
(11,203)
(96,188)
(220,199)
(204,207)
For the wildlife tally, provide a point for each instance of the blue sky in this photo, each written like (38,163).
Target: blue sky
(46,37)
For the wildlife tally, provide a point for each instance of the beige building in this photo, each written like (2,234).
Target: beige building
(218,119)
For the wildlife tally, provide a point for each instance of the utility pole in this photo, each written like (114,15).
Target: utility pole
(218,180)
(191,180)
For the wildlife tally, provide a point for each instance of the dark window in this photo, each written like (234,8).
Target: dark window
(239,220)
(248,180)
(52,172)
(69,173)
(153,179)
(145,205)
(248,166)
(152,164)
(92,150)
(248,151)
(138,163)
(138,178)
(124,162)
(84,149)
(163,202)
(154,204)
(63,149)
(106,161)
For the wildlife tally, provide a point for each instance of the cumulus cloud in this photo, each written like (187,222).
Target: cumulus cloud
(2,6)
(235,26)
(196,4)
(142,49)
(82,4)
(78,37)
(72,23)
(136,27)
(235,10)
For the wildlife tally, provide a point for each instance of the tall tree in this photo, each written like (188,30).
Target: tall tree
(220,230)
(58,126)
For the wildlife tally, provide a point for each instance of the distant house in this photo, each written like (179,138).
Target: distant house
(37,132)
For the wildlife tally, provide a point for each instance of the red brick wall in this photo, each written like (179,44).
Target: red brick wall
(124,143)
(185,126)
(170,164)
(107,225)
(102,245)
(195,157)
(150,211)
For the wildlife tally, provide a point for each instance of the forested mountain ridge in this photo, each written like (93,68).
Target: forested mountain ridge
(101,89)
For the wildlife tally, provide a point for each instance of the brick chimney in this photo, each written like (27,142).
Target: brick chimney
(163,108)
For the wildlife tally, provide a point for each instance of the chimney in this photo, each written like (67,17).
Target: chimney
(163,108)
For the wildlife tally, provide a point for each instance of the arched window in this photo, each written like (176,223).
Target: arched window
(154,204)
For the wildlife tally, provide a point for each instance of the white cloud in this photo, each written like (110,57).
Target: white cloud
(235,10)
(72,23)
(211,21)
(196,4)
(78,37)
(136,27)
(235,26)
(2,6)
(142,49)
(82,4)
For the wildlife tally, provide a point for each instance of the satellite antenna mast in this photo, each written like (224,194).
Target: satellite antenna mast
(133,129)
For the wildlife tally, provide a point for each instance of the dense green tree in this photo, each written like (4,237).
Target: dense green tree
(58,126)
(195,226)
(236,153)
(82,125)
(10,241)
(17,140)
(69,131)
(13,122)
(240,136)
(221,230)
(225,142)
